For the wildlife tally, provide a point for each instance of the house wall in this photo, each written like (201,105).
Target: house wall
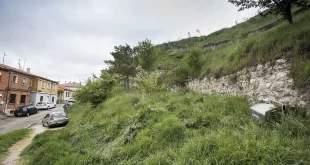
(37,86)
(65,97)
(8,87)
(35,97)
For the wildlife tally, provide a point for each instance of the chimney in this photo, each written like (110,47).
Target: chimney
(28,70)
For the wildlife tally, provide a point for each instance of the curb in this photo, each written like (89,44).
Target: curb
(30,125)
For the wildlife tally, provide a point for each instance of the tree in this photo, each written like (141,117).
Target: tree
(124,63)
(282,7)
(146,54)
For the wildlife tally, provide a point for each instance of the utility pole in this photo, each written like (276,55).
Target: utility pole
(3,57)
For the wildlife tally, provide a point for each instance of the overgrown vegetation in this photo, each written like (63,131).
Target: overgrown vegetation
(7,140)
(171,128)
(147,125)
(96,89)
(283,41)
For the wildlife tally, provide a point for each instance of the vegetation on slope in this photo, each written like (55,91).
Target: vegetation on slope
(284,41)
(7,140)
(170,128)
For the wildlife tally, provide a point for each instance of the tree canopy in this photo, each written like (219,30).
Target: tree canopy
(283,7)
(146,54)
(124,63)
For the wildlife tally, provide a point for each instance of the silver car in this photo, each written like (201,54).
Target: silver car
(55,119)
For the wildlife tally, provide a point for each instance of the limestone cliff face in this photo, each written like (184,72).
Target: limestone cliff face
(257,83)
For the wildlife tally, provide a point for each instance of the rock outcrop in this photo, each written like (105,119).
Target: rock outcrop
(260,82)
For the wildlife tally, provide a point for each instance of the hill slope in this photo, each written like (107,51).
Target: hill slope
(170,128)
(283,41)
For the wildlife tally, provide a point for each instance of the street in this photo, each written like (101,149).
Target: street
(14,123)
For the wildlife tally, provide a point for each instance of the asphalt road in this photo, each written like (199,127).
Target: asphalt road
(14,123)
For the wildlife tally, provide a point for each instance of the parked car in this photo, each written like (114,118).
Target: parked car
(25,111)
(68,104)
(45,105)
(55,119)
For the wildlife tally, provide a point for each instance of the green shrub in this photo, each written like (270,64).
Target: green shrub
(150,83)
(96,90)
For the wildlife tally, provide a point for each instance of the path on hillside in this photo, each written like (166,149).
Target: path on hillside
(17,148)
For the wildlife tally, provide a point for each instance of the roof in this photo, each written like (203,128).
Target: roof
(262,108)
(15,69)
(65,88)
(46,79)
(71,85)
(2,66)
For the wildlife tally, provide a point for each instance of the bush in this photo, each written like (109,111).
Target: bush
(96,90)
(150,82)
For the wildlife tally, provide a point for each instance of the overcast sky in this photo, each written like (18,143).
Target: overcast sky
(69,40)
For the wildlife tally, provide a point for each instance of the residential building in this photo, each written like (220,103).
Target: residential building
(64,94)
(73,86)
(43,89)
(15,86)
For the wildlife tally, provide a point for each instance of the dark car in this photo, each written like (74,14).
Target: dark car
(55,119)
(68,104)
(25,111)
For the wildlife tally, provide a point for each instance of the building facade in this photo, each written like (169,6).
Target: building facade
(43,89)
(71,88)
(64,94)
(15,86)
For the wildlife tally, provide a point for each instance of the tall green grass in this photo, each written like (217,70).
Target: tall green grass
(7,140)
(287,41)
(171,128)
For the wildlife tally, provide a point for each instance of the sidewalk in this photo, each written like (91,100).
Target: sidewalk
(2,116)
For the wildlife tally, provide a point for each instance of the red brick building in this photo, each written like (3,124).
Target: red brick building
(15,87)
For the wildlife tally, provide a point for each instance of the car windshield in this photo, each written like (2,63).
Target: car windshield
(59,115)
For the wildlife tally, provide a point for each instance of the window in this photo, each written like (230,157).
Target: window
(67,94)
(25,81)
(15,79)
(41,98)
(43,84)
(23,99)
(12,98)
(53,99)
(49,85)
(54,87)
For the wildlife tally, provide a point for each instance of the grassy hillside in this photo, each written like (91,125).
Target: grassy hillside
(9,139)
(283,41)
(170,128)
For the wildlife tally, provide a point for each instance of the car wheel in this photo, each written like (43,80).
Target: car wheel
(43,124)
(48,126)
(28,114)
(16,115)
(36,111)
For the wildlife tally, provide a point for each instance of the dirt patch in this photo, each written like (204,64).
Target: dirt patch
(16,149)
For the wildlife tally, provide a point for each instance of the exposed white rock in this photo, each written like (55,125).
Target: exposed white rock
(259,82)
